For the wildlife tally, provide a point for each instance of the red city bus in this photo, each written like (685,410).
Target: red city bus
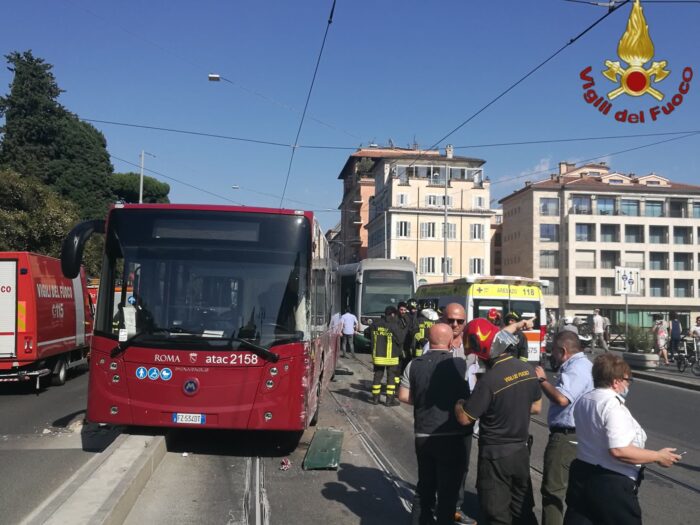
(222,317)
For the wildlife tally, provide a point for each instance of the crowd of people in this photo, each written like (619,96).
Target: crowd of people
(460,374)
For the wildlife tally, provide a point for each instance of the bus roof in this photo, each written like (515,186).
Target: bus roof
(376,264)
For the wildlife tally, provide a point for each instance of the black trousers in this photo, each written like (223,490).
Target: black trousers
(391,375)
(505,489)
(601,497)
(441,464)
(463,486)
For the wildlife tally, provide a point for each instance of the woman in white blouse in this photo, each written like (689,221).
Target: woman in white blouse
(606,474)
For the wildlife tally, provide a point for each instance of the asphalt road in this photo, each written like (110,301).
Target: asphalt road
(41,444)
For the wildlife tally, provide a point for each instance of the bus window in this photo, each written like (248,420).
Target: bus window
(482,307)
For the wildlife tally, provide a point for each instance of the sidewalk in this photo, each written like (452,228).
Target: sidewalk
(668,375)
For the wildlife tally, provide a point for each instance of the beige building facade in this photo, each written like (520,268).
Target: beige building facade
(574,228)
(413,190)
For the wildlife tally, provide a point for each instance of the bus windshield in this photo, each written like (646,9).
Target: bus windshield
(202,277)
(382,288)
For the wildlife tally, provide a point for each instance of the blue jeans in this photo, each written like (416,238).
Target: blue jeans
(347,341)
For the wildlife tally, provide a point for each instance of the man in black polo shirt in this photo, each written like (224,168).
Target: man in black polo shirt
(502,401)
(432,383)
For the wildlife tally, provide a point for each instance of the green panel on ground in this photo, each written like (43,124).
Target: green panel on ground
(324,450)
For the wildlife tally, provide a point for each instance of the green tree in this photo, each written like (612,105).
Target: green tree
(32,217)
(125,186)
(41,139)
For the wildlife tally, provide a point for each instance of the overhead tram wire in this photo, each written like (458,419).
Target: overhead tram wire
(306,105)
(521,79)
(354,148)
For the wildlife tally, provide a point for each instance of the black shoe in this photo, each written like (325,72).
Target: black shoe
(375,400)
(391,401)
(461,517)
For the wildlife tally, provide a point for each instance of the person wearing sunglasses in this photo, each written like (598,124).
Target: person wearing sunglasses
(605,476)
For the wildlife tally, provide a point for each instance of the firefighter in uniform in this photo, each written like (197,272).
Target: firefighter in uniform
(385,335)
(521,350)
(426,318)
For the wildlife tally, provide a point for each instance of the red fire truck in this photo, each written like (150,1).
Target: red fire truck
(221,317)
(45,319)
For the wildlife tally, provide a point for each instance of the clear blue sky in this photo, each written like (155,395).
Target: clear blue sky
(399,70)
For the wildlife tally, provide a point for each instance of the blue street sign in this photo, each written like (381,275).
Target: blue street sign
(153,373)
(141,372)
(166,374)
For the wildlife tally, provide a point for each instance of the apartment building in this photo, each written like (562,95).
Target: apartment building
(413,192)
(575,227)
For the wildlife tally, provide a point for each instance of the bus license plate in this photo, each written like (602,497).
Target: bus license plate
(190,419)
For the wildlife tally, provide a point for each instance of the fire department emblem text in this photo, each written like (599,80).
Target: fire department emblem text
(633,77)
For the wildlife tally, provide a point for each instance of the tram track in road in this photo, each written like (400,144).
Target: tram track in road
(257,506)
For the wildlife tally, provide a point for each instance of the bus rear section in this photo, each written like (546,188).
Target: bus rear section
(211,317)
(482,295)
(45,319)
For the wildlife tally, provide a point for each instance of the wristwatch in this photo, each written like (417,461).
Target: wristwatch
(541,379)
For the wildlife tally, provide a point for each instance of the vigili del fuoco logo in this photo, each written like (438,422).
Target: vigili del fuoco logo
(635,50)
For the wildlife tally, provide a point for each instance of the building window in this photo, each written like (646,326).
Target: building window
(549,233)
(682,262)
(553,288)
(634,233)
(585,285)
(607,286)
(696,210)
(658,260)
(629,207)
(634,260)
(549,206)
(476,232)
(451,231)
(402,199)
(585,259)
(549,258)
(609,233)
(582,204)
(449,265)
(479,202)
(615,181)
(476,265)
(658,234)
(435,201)
(658,287)
(654,209)
(403,229)
(682,287)
(609,259)
(606,206)
(426,265)
(427,230)
(585,232)
(403,257)
(682,235)
(677,209)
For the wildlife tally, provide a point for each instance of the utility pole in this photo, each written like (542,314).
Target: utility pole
(143,153)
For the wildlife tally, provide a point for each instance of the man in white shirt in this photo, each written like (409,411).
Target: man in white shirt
(695,332)
(350,326)
(599,331)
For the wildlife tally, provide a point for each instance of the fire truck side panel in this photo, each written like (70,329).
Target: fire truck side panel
(51,313)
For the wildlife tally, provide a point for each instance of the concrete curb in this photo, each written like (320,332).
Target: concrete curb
(104,490)
(648,376)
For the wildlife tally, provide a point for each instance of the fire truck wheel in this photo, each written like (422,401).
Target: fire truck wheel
(58,378)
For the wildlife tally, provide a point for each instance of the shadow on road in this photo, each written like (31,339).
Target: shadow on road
(368,494)
(242,443)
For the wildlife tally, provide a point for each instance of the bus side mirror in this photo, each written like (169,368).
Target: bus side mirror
(74,244)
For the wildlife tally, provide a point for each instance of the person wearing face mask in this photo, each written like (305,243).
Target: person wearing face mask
(575,379)
(605,476)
